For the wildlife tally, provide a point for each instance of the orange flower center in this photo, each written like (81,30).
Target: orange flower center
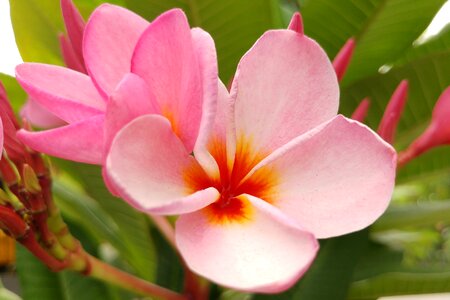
(231,207)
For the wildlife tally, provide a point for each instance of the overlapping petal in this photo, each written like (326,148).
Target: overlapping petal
(109,39)
(154,175)
(166,59)
(80,141)
(68,94)
(267,253)
(39,116)
(335,179)
(207,59)
(131,99)
(284,86)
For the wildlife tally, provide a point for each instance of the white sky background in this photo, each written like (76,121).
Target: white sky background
(10,57)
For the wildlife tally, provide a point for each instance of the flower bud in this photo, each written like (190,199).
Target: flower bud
(360,112)
(436,134)
(296,23)
(393,112)
(30,180)
(342,59)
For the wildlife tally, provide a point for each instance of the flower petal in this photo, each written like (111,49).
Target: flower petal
(221,145)
(81,141)
(39,116)
(68,94)
(335,179)
(132,98)
(267,253)
(166,60)
(284,86)
(109,40)
(207,58)
(148,166)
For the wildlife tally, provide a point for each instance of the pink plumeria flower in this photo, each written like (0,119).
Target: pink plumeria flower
(134,68)
(277,170)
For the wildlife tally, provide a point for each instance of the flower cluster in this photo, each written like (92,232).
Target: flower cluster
(27,211)
(257,173)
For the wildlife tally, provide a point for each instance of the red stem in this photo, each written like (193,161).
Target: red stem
(12,222)
(105,272)
(29,241)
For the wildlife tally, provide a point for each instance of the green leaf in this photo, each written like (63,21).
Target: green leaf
(38,282)
(400,283)
(235,25)
(16,94)
(87,6)
(376,260)
(331,273)
(170,272)
(436,44)
(384,29)
(86,212)
(36,26)
(133,227)
(418,214)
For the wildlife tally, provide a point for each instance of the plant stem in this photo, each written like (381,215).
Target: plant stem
(102,271)
(193,284)
(165,228)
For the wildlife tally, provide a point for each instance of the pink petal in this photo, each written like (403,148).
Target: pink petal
(285,85)
(81,141)
(207,59)
(336,179)
(39,116)
(222,144)
(148,166)
(131,99)
(109,40)
(75,27)
(69,95)
(165,57)
(267,253)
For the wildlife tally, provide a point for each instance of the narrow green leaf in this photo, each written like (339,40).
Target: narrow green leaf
(132,225)
(235,25)
(417,214)
(83,210)
(400,283)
